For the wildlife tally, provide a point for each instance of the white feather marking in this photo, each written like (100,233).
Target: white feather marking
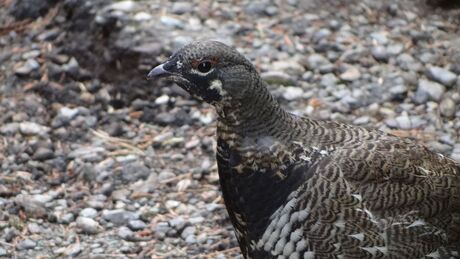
(288,248)
(309,255)
(434,254)
(179,64)
(279,246)
(419,222)
(194,71)
(301,245)
(294,255)
(286,230)
(217,85)
(340,223)
(296,235)
(358,196)
(282,221)
(359,236)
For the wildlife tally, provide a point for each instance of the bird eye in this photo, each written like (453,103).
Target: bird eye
(204,66)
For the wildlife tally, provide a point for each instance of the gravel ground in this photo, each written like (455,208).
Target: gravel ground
(97,162)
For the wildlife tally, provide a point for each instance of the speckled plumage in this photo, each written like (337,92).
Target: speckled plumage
(296,187)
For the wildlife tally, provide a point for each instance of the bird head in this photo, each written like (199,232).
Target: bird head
(209,70)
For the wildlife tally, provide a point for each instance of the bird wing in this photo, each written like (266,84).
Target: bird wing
(379,200)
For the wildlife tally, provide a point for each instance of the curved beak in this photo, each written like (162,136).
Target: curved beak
(158,72)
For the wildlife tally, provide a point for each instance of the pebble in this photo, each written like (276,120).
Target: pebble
(32,207)
(315,61)
(28,67)
(432,89)
(88,213)
(350,74)
(190,230)
(441,75)
(3,252)
(26,244)
(277,78)
(447,107)
(292,93)
(125,6)
(380,53)
(177,223)
(181,7)
(125,233)
(87,225)
(119,216)
(42,154)
(32,128)
(136,225)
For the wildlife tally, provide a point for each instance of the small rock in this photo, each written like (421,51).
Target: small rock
(277,78)
(442,76)
(350,74)
(329,80)
(119,216)
(31,207)
(3,252)
(72,67)
(171,22)
(9,128)
(164,99)
(88,213)
(34,228)
(315,61)
(32,128)
(26,244)
(447,107)
(125,233)
(291,93)
(136,225)
(124,6)
(142,16)
(28,67)
(398,92)
(134,171)
(182,7)
(433,89)
(87,225)
(171,204)
(380,53)
(42,154)
(73,250)
(177,223)
(190,230)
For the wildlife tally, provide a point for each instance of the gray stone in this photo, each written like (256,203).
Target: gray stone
(34,228)
(134,171)
(32,128)
(136,225)
(315,61)
(433,89)
(31,207)
(182,7)
(380,53)
(42,154)
(329,80)
(171,22)
(67,218)
(26,244)
(28,67)
(351,73)
(447,107)
(119,216)
(10,233)
(87,225)
(9,128)
(442,76)
(88,213)
(177,223)
(161,228)
(292,93)
(190,230)
(73,250)
(125,233)
(3,251)
(398,92)
(277,78)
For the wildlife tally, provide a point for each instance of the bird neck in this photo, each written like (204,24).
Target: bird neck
(255,115)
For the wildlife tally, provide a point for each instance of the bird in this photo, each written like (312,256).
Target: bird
(299,187)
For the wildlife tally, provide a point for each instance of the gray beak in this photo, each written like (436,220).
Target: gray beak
(158,72)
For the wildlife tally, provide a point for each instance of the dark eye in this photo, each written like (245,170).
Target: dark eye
(204,66)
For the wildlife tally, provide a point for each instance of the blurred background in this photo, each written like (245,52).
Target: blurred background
(95,160)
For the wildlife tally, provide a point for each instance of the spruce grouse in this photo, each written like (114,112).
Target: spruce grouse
(296,187)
